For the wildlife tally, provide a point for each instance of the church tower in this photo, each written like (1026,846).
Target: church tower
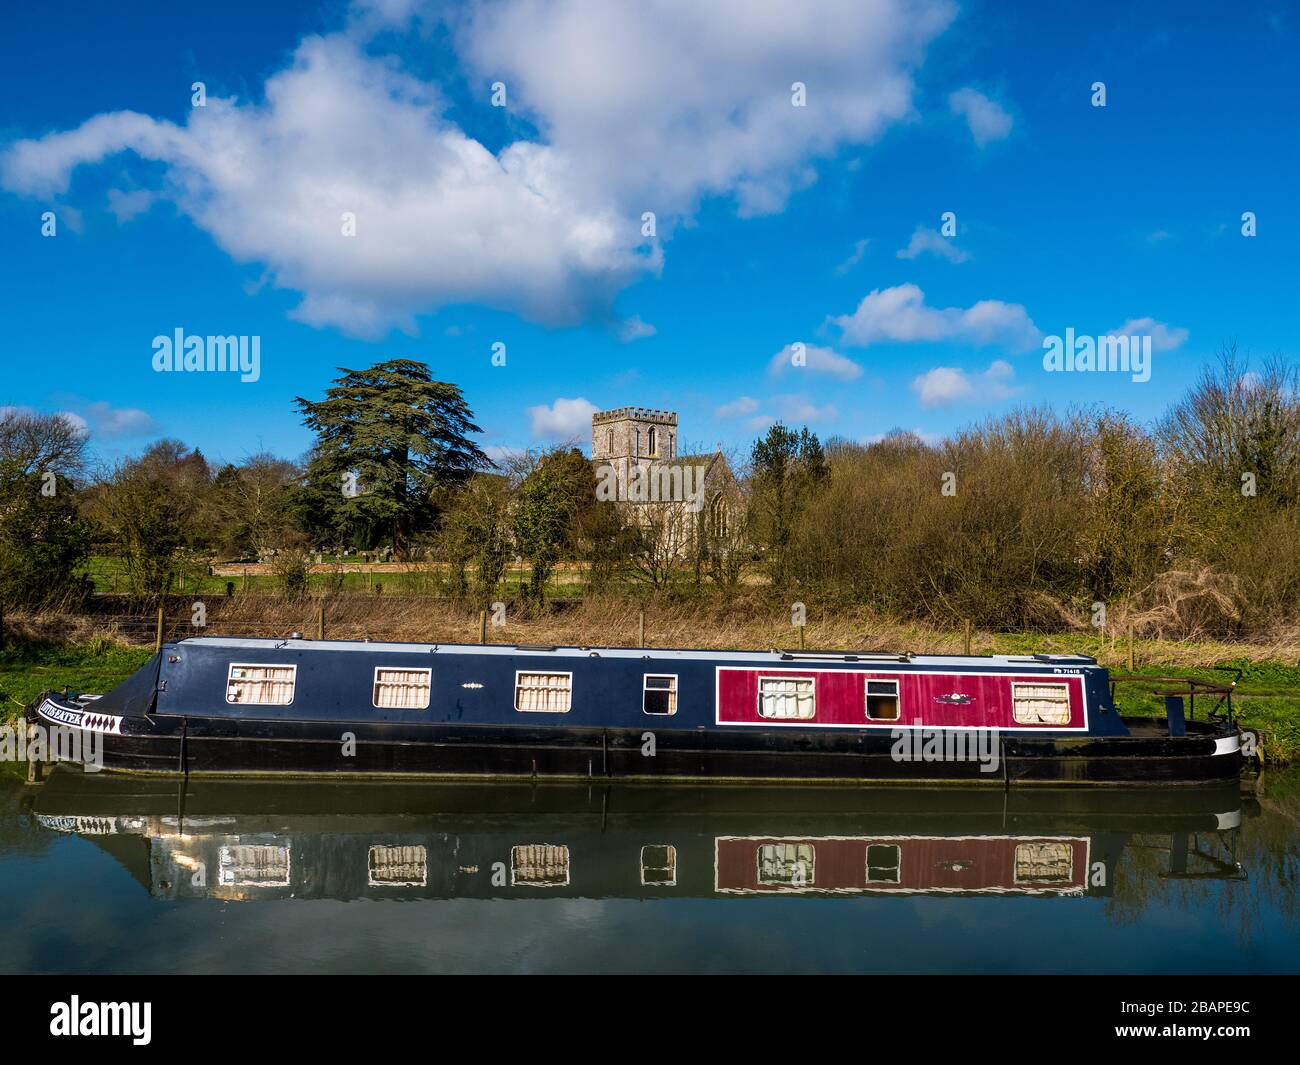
(635,434)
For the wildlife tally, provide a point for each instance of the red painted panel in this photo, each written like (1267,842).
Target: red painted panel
(841,698)
(981,864)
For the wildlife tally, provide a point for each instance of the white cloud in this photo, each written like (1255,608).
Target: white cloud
(75,421)
(635,329)
(439,219)
(799,409)
(647,107)
(930,240)
(564,419)
(664,101)
(791,408)
(946,385)
(78,423)
(100,419)
(901,314)
(859,249)
(986,118)
(739,406)
(502,454)
(817,360)
(126,205)
(110,422)
(1163,337)
(927,438)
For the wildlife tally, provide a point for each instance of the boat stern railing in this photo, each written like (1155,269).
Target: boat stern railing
(1177,688)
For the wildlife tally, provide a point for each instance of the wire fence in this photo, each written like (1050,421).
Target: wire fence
(393,617)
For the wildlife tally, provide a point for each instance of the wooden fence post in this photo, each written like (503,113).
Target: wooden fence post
(482,626)
(2,626)
(801,628)
(1132,665)
(320,620)
(158,632)
(966,642)
(640,628)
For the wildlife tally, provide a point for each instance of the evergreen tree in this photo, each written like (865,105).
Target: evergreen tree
(401,435)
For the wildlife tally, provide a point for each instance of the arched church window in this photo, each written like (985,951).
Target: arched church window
(718,515)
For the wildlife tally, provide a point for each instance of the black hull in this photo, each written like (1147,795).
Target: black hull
(210,747)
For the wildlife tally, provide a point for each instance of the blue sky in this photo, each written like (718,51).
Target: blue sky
(522,224)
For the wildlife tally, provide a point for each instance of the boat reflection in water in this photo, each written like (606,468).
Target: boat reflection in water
(254,840)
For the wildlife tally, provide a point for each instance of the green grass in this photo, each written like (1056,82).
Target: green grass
(109,575)
(30,669)
(1266,698)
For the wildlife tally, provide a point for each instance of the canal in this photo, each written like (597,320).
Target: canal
(100,874)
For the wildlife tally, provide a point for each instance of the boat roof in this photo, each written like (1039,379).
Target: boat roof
(660,653)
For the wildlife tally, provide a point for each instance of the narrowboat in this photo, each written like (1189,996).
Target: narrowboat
(271,839)
(216,705)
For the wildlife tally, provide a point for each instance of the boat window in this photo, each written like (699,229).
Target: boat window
(882,700)
(786,864)
(398,866)
(788,698)
(544,692)
(660,694)
(539,865)
(261,685)
(883,863)
(1041,704)
(402,689)
(1048,861)
(659,865)
(254,865)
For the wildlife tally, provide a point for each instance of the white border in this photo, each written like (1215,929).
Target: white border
(224,859)
(1073,891)
(810,884)
(514,699)
(1047,684)
(374,684)
(1227,744)
(866,862)
(758,706)
(866,698)
(1015,858)
(772,722)
(260,665)
(645,677)
(424,867)
(659,883)
(568,859)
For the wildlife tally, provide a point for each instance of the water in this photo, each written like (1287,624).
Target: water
(103,874)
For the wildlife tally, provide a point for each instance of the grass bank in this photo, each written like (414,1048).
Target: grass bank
(33,667)
(93,653)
